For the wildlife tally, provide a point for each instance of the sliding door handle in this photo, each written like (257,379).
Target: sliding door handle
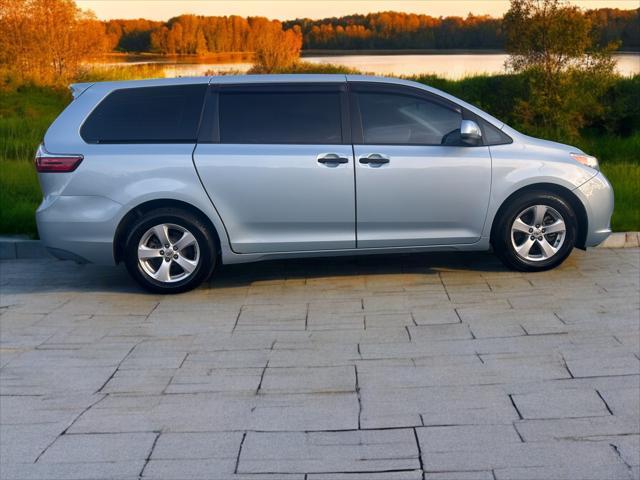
(374,159)
(332,159)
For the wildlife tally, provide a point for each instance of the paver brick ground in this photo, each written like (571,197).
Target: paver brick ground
(438,367)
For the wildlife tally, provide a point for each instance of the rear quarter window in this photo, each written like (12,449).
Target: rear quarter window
(147,115)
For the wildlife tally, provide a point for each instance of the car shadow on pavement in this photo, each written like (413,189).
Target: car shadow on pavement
(28,276)
(345,266)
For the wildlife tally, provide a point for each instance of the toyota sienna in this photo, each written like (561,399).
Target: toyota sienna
(176,176)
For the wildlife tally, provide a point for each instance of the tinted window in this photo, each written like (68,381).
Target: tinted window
(389,118)
(147,115)
(311,117)
(494,136)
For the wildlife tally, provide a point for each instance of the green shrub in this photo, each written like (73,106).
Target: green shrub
(622,107)
(496,94)
(611,148)
(308,67)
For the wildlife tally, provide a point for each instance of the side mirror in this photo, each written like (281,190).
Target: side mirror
(470,132)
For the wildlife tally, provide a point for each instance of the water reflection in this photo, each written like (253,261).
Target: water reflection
(451,66)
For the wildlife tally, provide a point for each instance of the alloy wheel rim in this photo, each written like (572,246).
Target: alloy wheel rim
(168,253)
(538,233)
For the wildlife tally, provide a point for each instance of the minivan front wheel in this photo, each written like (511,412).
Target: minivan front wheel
(537,231)
(169,251)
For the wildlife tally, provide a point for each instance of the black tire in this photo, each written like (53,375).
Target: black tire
(502,235)
(206,250)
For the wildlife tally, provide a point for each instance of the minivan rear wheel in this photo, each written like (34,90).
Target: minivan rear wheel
(537,231)
(169,250)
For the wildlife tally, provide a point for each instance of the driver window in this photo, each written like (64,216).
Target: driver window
(390,118)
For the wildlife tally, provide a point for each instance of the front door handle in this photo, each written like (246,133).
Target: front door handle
(374,159)
(332,159)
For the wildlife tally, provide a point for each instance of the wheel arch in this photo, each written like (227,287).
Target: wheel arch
(140,210)
(563,192)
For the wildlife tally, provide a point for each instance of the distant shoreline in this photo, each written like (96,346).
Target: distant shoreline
(401,51)
(150,57)
(418,51)
(239,57)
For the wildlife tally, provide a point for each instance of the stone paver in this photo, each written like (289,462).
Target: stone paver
(99,448)
(439,367)
(568,403)
(326,452)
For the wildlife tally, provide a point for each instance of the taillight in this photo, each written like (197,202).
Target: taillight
(53,163)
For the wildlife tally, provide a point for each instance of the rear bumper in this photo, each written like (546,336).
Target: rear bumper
(597,196)
(81,228)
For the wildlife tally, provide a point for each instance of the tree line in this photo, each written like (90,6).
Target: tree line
(397,30)
(196,34)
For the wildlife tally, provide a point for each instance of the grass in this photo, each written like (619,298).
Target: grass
(25,115)
(98,73)
(19,196)
(26,112)
(625,178)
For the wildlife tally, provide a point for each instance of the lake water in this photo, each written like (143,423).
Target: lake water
(447,66)
(451,66)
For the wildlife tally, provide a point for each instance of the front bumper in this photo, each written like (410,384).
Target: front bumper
(81,228)
(597,197)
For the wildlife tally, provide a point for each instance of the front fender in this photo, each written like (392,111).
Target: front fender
(512,173)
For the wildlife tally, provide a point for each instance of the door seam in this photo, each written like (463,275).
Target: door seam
(353,153)
(206,192)
(355,195)
(489,200)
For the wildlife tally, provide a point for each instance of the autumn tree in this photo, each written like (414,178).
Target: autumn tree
(45,41)
(274,47)
(198,35)
(553,44)
(131,35)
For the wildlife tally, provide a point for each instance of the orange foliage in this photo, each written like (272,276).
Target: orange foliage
(275,48)
(198,35)
(45,41)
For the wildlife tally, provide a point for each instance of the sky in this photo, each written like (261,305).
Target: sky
(291,9)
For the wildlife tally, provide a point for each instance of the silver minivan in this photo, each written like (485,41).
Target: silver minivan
(176,176)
